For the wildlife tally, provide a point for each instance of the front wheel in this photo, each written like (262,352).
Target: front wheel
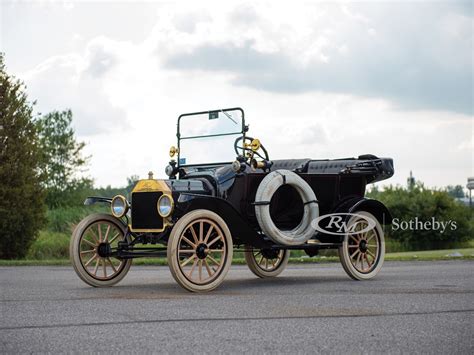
(93,238)
(266,263)
(363,251)
(200,251)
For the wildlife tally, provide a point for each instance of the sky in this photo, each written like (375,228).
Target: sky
(316,79)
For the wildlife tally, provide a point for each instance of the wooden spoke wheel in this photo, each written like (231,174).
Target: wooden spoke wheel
(363,251)
(92,241)
(200,251)
(266,263)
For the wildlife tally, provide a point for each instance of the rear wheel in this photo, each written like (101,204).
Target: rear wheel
(91,241)
(200,251)
(266,263)
(362,253)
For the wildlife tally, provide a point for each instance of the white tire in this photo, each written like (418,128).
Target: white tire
(362,254)
(88,236)
(200,251)
(267,188)
(263,265)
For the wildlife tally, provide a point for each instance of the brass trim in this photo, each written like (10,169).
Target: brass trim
(258,164)
(158,205)
(173,151)
(153,186)
(125,202)
(165,225)
(255,145)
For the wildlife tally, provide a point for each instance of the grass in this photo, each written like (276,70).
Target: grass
(64,219)
(445,254)
(49,245)
(428,255)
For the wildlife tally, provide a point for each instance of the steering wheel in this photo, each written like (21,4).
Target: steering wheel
(250,147)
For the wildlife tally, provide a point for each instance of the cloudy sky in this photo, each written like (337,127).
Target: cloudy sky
(316,79)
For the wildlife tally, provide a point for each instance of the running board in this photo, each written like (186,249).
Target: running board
(309,246)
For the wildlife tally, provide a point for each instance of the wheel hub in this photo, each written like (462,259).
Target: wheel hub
(104,250)
(201,251)
(363,246)
(270,253)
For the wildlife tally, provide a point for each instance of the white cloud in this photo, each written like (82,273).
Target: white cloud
(63,82)
(127,95)
(416,55)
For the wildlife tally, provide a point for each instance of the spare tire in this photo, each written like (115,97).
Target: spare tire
(267,188)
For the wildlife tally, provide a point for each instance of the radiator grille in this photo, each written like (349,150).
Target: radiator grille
(144,211)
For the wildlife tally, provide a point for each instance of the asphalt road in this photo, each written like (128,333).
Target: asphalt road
(420,307)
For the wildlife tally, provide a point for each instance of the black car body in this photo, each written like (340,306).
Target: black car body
(229,190)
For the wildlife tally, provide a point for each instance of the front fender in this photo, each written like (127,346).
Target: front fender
(95,199)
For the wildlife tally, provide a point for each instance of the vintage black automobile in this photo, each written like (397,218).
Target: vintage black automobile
(206,211)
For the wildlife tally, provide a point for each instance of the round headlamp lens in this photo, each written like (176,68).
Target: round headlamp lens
(165,206)
(119,206)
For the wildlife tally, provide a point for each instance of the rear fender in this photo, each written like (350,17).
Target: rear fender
(377,208)
(354,205)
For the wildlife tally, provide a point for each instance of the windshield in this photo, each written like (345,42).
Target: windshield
(208,137)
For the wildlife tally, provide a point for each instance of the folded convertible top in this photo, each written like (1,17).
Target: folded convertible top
(376,169)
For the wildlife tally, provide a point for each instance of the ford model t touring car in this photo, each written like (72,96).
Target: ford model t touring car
(207,210)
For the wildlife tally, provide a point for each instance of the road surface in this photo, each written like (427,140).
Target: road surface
(411,307)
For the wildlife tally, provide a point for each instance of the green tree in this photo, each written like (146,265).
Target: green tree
(22,209)
(455,191)
(131,182)
(61,160)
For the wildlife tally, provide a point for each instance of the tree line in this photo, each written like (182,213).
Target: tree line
(40,165)
(426,218)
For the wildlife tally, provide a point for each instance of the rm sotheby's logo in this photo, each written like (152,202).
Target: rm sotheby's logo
(418,224)
(338,223)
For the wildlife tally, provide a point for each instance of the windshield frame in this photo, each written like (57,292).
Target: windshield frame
(242,132)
